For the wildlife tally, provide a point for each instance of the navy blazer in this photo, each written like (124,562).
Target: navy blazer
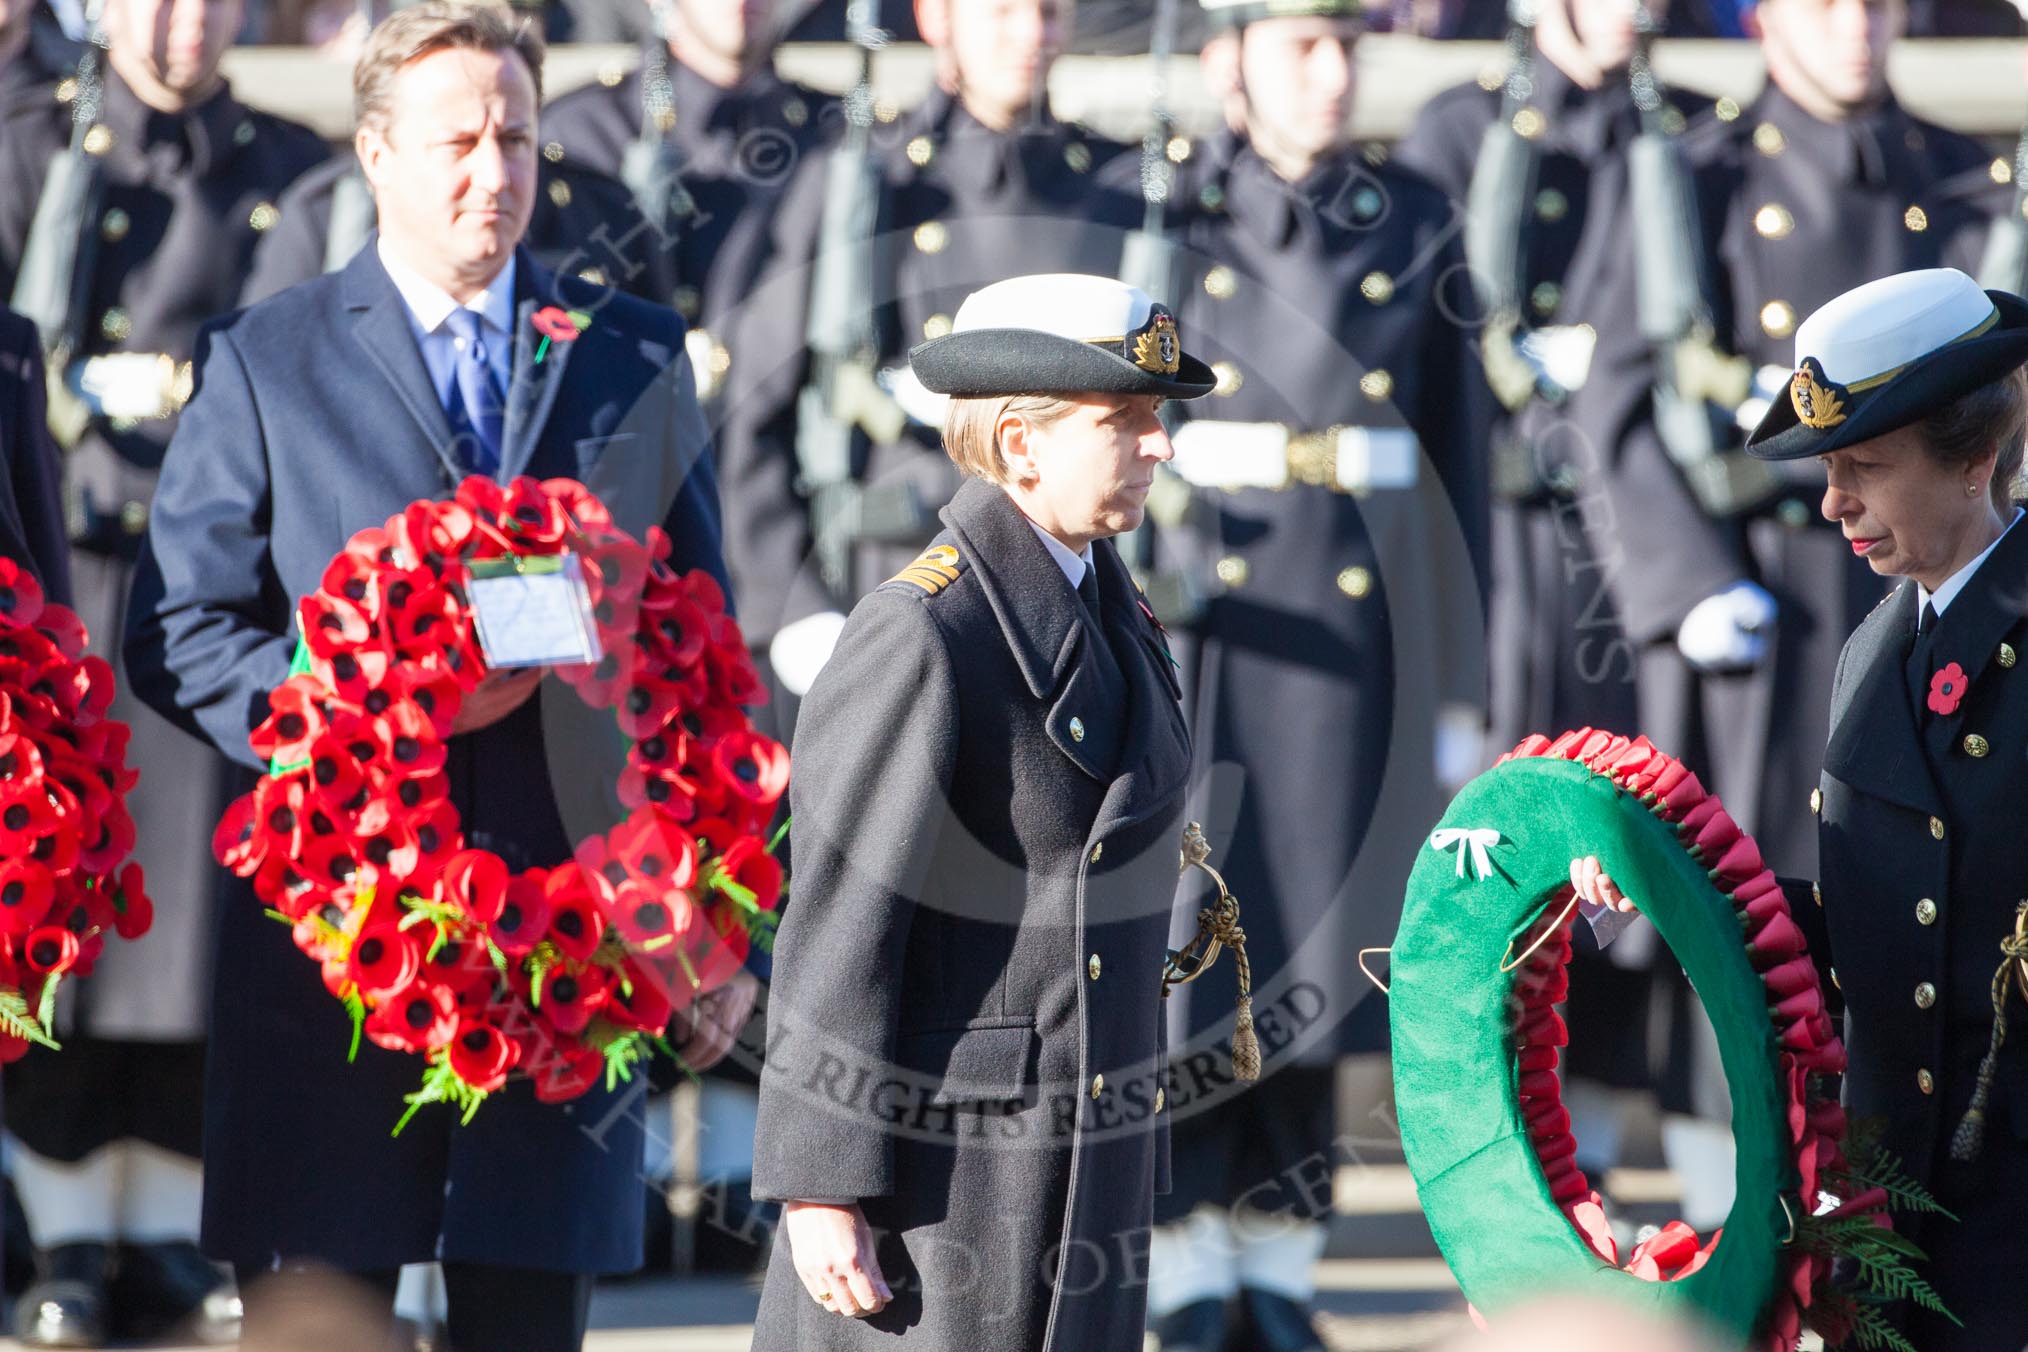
(31,506)
(314,417)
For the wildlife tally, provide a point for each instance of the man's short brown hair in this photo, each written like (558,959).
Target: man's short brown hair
(409,35)
(971,428)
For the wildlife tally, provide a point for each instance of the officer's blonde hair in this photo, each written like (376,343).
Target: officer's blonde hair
(971,429)
(1992,417)
(413,33)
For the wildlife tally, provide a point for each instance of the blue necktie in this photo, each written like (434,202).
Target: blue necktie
(476,409)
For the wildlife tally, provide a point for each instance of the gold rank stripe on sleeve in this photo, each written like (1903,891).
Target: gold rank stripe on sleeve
(933,570)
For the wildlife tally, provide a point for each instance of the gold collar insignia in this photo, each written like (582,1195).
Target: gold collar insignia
(1818,402)
(1156,347)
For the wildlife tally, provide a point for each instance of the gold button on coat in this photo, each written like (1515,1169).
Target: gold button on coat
(1925,995)
(2006,656)
(1098,852)
(1077,729)
(1925,1081)
(1092,965)
(1976,745)
(1936,827)
(1925,912)
(1816,801)
(1355,582)
(1160,1098)
(1232,570)
(1098,1085)
(114,225)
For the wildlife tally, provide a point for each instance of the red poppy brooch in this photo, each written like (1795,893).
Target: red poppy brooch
(567,975)
(1947,689)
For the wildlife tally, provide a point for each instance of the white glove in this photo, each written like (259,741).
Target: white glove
(1728,631)
(801,649)
(1460,745)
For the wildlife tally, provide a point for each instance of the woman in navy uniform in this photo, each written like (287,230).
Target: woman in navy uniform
(1909,391)
(962,1103)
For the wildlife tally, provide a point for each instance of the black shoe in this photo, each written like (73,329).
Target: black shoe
(1272,1323)
(66,1306)
(162,1288)
(1197,1327)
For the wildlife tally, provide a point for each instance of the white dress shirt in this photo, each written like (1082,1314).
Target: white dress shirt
(1955,583)
(429,305)
(1074,566)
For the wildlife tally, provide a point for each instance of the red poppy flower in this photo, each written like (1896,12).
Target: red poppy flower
(640,1000)
(620,568)
(582,504)
(648,916)
(20,594)
(331,624)
(349,674)
(372,545)
(1947,689)
(410,737)
(110,827)
(426,626)
(679,631)
(645,706)
(385,959)
(571,995)
(733,673)
(134,912)
(524,915)
(553,323)
(654,850)
(49,950)
(26,816)
(460,965)
(748,864)
(61,626)
(350,581)
(84,693)
(566,1072)
(531,518)
(476,881)
(481,1055)
(26,894)
(336,776)
(432,533)
(420,1019)
(752,767)
(295,719)
(436,694)
(575,925)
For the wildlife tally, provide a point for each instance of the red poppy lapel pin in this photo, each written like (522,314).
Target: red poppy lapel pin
(1947,689)
(557,325)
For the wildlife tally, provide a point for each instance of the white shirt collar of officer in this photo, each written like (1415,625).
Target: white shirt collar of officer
(1955,583)
(429,305)
(1073,565)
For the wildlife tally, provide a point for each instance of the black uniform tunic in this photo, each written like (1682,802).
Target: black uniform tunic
(965,1028)
(1344,606)
(1923,866)
(186,199)
(1796,211)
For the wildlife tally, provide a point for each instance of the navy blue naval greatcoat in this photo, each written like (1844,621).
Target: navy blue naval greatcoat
(315,417)
(965,1028)
(1923,865)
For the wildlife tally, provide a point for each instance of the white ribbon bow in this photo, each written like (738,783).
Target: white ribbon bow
(1474,843)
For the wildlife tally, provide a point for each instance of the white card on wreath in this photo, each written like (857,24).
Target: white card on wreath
(533,611)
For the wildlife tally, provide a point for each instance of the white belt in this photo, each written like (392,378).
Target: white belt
(131,384)
(1230,455)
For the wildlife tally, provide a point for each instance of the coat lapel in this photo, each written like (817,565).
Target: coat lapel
(381,326)
(535,386)
(1154,761)
(1875,745)
(1994,601)
(1039,616)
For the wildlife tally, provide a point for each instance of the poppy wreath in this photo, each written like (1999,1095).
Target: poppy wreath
(563,976)
(64,828)
(1480,963)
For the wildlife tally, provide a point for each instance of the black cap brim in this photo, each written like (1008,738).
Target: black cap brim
(986,363)
(1919,389)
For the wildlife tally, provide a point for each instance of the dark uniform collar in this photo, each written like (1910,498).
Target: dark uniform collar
(202,137)
(702,106)
(1860,150)
(972,155)
(1281,212)
(1026,590)
(1993,600)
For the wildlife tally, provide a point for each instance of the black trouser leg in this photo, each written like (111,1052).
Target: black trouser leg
(504,1309)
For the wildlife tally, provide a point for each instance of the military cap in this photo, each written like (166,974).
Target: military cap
(1061,333)
(1887,354)
(1239,13)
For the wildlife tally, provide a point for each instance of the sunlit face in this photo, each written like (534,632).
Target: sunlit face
(1086,474)
(1001,50)
(177,43)
(1837,46)
(738,31)
(1904,512)
(1299,76)
(1606,28)
(453,172)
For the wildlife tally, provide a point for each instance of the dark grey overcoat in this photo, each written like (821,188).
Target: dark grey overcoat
(965,1028)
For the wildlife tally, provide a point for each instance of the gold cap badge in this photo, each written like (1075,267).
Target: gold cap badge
(1156,347)
(1818,402)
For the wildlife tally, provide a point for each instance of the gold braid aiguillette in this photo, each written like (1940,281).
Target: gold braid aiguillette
(1217,927)
(1970,1137)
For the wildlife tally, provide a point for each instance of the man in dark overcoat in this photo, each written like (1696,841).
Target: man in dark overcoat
(323,411)
(963,1106)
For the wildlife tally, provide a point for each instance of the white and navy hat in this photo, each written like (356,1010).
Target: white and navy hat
(1888,354)
(1239,13)
(1061,333)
